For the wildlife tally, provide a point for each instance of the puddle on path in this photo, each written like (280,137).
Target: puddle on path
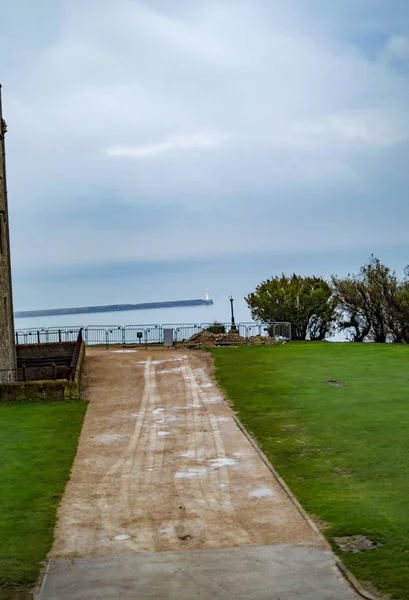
(222,462)
(10,593)
(261,492)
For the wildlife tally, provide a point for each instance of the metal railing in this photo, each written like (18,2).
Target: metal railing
(45,335)
(30,368)
(75,356)
(94,335)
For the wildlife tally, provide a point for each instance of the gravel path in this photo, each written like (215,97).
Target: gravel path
(162,465)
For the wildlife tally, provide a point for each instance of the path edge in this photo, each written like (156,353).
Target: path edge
(41,583)
(351,579)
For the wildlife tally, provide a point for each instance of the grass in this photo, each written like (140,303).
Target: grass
(343,451)
(38,443)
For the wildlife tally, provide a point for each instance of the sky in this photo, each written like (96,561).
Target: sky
(158,148)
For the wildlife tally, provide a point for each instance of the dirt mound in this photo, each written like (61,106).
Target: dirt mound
(207,338)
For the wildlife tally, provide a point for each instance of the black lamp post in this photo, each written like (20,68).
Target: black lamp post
(233,324)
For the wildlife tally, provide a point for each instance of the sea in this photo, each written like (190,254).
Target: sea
(218,311)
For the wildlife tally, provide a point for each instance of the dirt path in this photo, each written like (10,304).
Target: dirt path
(162,465)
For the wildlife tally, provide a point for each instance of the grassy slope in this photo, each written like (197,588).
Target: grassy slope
(343,451)
(38,442)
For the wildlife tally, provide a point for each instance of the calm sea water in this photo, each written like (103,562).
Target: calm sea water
(219,311)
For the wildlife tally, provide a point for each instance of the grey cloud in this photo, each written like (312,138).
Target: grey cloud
(255,126)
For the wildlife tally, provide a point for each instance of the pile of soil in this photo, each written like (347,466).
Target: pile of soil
(207,338)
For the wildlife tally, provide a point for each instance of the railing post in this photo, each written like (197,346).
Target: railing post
(16,338)
(38,336)
(59,335)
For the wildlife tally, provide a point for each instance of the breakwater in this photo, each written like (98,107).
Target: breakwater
(82,310)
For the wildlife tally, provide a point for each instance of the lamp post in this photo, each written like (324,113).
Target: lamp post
(233,324)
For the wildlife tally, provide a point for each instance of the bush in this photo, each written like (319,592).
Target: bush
(306,302)
(216,327)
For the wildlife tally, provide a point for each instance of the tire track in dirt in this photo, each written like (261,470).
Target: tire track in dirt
(209,480)
(124,464)
(206,387)
(139,469)
(147,467)
(188,479)
(171,382)
(223,500)
(135,479)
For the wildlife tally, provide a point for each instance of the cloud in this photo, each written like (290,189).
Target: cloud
(176,142)
(373,128)
(260,126)
(396,48)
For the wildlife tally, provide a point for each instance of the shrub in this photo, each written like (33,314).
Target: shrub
(216,327)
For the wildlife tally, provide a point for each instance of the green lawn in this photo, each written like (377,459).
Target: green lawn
(343,451)
(38,443)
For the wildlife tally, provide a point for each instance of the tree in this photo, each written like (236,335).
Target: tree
(398,303)
(354,318)
(366,302)
(306,302)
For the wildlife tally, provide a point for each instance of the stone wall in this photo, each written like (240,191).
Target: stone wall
(53,349)
(35,391)
(44,361)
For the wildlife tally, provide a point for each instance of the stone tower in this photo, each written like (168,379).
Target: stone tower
(7,348)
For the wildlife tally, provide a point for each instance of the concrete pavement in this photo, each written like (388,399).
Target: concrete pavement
(277,572)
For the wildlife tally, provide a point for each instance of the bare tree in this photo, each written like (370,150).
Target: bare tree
(366,301)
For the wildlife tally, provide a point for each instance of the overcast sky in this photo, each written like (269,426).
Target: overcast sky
(169,137)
